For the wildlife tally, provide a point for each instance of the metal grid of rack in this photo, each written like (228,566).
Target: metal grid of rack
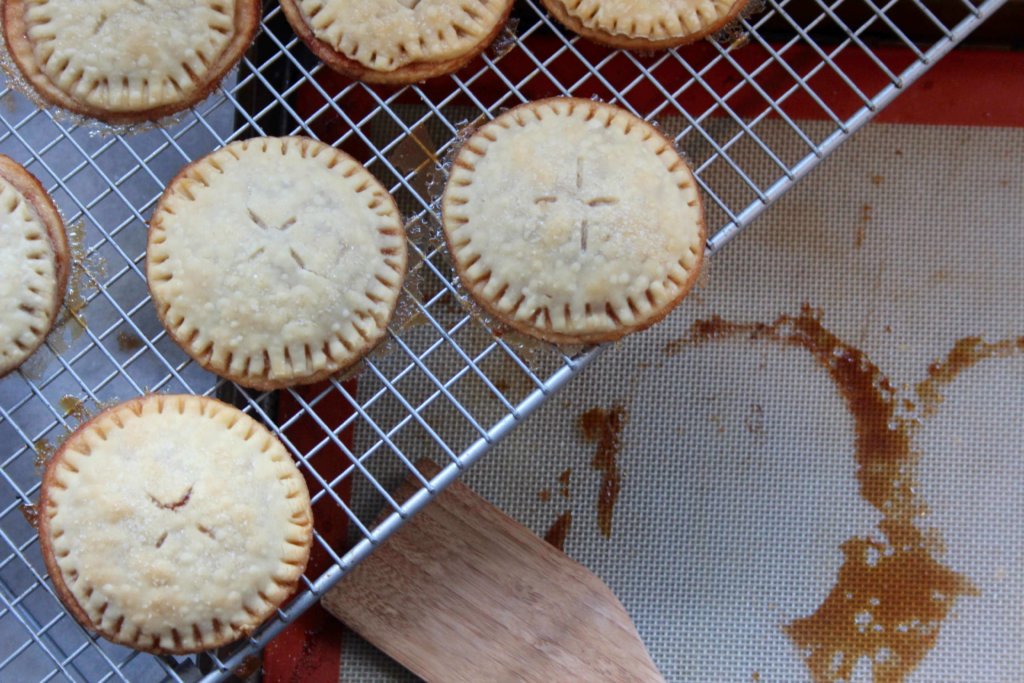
(445,385)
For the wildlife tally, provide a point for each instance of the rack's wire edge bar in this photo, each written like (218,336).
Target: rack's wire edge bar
(916,69)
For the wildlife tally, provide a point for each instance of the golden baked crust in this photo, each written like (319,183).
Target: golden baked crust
(396,42)
(276,261)
(125,61)
(645,24)
(173,524)
(573,221)
(34,264)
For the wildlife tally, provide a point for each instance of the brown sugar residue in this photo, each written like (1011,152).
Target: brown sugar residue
(604,428)
(563,482)
(964,354)
(128,341)
(558,532)
(31,514)
(891,596)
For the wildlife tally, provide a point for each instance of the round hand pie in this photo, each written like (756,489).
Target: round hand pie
(276,261)
(173,524)
(34,264)
(573,221)
(396,41)
(645,24)
(125,61)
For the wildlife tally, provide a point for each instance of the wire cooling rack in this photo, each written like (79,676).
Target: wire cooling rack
(445,385)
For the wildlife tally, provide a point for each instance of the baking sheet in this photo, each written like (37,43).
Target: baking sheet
(737,462)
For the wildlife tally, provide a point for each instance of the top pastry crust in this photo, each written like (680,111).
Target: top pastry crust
(573,221)
(386,35)
(174,523)
(34,262)
(645,23)
(276,261)
(127,56)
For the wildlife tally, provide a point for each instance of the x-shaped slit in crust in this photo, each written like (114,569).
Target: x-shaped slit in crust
(577,198)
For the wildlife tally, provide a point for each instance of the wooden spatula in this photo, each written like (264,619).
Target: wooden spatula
(465,593)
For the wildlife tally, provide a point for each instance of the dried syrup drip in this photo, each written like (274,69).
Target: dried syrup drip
(891,597)
(249,666)
(416,157)
(128,341)
(965,353)
(604,427)
(44,451)
(78,410)
(558,532)
(74,408)
(506,40)
(85,269)
(563,482)
(31,514)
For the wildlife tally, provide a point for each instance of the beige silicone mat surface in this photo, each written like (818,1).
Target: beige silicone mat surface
(738,457)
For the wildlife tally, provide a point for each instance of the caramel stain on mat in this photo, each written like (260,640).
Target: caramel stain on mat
(891,596)
(563,482)
(862,226)
(964,354)
(558,532)
(603,427)
(128,341)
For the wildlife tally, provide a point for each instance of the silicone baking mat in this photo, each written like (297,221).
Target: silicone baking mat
(738,459)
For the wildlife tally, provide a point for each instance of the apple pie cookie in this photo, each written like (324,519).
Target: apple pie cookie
(573,221)
(396,41)
(276,261)
(125,61)
(645,24)
(173,524)
(34,264)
